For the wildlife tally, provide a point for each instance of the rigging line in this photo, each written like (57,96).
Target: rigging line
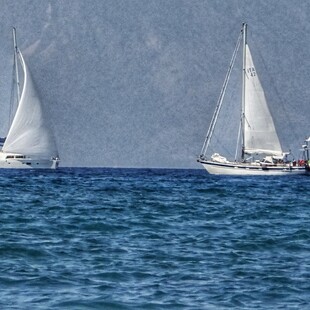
(220,100)
(218,140)
(247,122)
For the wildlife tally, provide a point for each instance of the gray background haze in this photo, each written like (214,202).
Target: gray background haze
(134,83)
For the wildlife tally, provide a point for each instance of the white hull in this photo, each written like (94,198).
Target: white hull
(248,169)
(17,161)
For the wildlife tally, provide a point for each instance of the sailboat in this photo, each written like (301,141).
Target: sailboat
(29,143)
(257,150)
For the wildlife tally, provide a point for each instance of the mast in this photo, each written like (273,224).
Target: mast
(16,52)
(244,33)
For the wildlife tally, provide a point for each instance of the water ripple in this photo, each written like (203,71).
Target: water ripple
(153,239)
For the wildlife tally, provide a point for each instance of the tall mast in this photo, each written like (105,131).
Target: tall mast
(244,32)
(16,51)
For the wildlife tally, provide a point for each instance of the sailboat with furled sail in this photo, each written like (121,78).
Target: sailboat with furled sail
(30,142)
(257,148)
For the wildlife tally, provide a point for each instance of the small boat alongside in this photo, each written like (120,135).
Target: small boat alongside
(30,142)
(257,150)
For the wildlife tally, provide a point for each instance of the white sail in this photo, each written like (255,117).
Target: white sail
(29,133)
(259,130)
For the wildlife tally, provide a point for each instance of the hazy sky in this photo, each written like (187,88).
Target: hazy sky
(133,83)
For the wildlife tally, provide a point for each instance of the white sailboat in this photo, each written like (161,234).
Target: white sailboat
(30,143)
(258,150)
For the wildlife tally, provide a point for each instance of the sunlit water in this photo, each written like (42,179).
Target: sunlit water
(153,239)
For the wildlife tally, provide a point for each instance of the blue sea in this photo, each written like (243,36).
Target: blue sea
(153,239)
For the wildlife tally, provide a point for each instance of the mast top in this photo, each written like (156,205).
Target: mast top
(15,40)
(244,32)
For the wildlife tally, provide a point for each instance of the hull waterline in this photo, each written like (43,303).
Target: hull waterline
(247,169)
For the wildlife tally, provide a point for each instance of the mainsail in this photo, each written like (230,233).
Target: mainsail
(29,133)
(260,135)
